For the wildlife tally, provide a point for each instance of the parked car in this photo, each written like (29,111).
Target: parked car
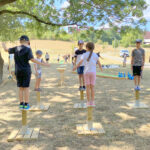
(124,51)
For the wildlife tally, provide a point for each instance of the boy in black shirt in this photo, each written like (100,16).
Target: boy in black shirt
(22,55)
(78,54)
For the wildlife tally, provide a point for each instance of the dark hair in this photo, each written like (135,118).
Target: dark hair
(91,47)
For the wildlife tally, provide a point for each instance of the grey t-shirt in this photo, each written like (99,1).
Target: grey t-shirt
(138,55)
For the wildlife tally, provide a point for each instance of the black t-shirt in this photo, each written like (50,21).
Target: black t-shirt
(22,55)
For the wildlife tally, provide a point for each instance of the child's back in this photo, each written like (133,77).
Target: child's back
(90,66)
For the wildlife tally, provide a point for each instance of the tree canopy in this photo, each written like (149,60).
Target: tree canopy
(20,16)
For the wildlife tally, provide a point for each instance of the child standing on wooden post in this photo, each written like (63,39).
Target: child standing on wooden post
(78,54)
(22,55)
(137,63)
(91,59)
(38,71)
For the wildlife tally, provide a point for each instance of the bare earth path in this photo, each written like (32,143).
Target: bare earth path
(126,129)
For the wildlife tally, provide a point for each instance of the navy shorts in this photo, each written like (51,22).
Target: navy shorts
(23,79)
(137,70)
(80,70)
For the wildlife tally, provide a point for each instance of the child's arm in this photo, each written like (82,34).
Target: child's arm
(100,66)
(4,47)
(78,65)
(75,60)
(40,63)
(35,67)
(132,59)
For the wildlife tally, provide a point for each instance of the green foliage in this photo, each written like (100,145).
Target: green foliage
(36,16)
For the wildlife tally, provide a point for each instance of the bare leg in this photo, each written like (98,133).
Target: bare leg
(26,95)
(83,80)
(88,92)
(38,82)
(92,92)
(20,94)
(135,80)
(80,80)
(139,80)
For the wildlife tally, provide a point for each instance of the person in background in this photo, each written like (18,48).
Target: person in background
(124,59)
(137,63)
(58,58)
(80,70)
(47,57)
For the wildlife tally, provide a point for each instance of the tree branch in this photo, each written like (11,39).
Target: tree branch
(33,16)
(4,2)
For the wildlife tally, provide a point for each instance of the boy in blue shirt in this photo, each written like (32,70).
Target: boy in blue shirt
(22,55)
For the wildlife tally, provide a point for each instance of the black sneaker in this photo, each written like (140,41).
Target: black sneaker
(80,88)
(84,88)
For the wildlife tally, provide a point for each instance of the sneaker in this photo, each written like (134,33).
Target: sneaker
(39,90)
(88,104)
(84,88)
(27,107)
(138,88)
(80,88)
(21,106)
(93,103)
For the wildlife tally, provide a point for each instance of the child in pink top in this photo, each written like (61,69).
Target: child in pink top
(91,59)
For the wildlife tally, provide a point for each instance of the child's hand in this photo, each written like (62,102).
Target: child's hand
(47,65)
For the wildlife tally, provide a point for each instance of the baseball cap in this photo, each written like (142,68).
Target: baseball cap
(80,42)
(24,38)
(138,41)
(39,52)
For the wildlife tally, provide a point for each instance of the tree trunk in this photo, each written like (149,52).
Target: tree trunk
(1,67)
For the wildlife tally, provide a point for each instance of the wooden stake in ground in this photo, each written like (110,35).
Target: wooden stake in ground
(137,103)
(82,104)
(24,133)
(90,128)
(39,106)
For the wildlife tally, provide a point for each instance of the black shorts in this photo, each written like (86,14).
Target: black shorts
(137,70)
(47,59)
(23,79)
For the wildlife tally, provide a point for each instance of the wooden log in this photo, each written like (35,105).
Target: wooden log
(24,118)
(90,118)
(137,95)
(38,95)
(81,95)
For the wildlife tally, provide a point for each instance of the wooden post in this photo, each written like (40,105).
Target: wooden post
(137,97)
(90,118)
(24,129)
(82,97)
(24,117)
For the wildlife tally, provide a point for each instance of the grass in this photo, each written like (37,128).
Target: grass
(126,128)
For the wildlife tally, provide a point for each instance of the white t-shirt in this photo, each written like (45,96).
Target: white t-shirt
(47,56)
(91,65)
(38,66)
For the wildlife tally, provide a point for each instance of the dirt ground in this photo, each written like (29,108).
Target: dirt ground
(126,128)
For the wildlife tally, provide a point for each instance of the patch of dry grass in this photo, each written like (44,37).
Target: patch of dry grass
(126,128)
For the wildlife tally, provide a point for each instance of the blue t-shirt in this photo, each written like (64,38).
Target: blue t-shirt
(22,55)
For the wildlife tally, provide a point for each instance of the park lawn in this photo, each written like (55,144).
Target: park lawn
(126,128)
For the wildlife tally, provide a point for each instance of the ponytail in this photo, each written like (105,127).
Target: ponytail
(90,47)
